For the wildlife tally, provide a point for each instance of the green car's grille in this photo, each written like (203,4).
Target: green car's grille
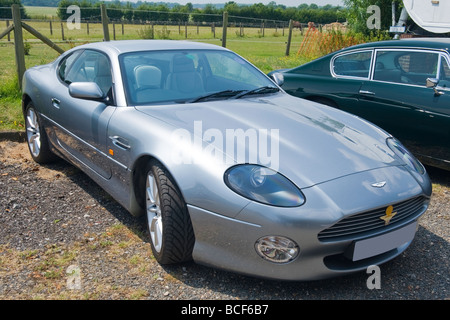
(362,224)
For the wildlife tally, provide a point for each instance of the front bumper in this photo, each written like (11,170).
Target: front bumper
(229,243)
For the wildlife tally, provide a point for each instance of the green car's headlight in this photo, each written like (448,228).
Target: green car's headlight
(263,185)
(405,155)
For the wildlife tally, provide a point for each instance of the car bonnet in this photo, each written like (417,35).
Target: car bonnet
(307,142)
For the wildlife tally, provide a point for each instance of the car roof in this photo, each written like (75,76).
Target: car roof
(124,46)
(430,43)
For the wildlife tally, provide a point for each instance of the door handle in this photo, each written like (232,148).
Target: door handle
(370,93)
(120,142)
(55,103)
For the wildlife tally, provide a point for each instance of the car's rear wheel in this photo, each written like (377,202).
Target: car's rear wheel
(168,220)
(36,137)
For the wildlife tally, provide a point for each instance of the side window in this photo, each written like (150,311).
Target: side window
(231,68)
(407,67)
(444,74)
(91,66)
(353,64)
(66,64)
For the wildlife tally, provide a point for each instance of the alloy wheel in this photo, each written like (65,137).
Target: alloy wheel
(33,132)
(154,217)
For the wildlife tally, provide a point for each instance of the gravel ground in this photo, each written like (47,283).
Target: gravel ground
(54,219)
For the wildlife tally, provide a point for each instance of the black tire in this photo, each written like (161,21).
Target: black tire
(37,139)
(175,241)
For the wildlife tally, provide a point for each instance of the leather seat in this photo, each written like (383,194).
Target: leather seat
(183,76)
(147,77)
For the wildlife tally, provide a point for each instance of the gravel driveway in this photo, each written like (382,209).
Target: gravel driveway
(62,237)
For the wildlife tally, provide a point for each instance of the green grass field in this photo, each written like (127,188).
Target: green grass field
(41,12)
(266,52)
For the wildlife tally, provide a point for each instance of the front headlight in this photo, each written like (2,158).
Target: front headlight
(263,185)
(405,155)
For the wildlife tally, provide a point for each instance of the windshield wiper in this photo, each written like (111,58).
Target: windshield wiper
(260,90)
(215,95)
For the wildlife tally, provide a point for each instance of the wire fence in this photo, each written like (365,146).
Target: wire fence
(77,30)
(137,16)
(91,31)
(147,24)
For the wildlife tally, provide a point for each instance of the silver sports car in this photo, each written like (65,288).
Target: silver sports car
(230,170)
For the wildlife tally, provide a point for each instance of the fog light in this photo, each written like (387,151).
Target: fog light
(277,249)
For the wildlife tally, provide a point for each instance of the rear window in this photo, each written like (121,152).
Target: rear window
(355,64)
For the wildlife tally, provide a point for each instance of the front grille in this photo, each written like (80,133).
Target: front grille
(359,224)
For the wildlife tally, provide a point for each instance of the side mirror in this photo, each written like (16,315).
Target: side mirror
(86,91)
(278,78)
(432,83)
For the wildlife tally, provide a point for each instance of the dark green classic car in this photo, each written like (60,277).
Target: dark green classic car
(403,86)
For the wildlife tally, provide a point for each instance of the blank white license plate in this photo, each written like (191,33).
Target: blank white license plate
(371,247)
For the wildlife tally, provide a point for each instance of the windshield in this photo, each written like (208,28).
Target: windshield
(183,76)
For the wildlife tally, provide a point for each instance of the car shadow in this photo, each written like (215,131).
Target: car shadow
(439,176)
(100,196)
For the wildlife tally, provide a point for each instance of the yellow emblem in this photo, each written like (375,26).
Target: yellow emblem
(389,215)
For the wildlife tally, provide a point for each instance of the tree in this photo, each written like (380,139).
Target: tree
(357,14)
(209,14)
(5,9)
(181,13)
(89,12)
(128,12)
(115,11)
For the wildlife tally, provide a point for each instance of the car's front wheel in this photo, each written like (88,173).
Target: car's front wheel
(36,137)
(168,220)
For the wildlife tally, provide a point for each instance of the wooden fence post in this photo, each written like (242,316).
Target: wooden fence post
(7,31)
(7,25)
(62,31)
(18,43)
(105,22)
(288,45)
(224,29)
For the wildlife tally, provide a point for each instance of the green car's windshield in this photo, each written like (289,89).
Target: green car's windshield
(182,76)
